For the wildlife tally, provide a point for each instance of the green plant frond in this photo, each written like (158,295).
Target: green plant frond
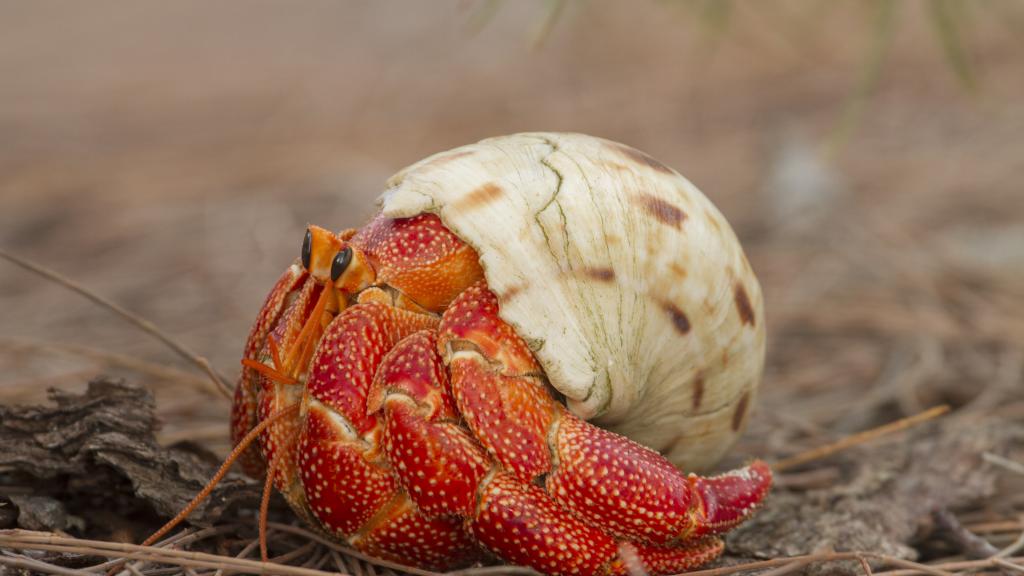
(552,13)
(946,17)
(482,16)
(715,16)
(883,27)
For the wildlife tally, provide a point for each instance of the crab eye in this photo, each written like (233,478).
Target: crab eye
(341,261)
(307,249)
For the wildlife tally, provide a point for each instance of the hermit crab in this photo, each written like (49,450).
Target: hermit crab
(514,358)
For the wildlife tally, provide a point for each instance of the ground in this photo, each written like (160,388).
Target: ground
(168,156)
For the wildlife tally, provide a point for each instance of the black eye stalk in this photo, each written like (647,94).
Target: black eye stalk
(307,249)
(341,261)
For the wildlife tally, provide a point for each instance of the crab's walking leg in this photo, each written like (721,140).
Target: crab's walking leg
(603,478)
(279,387)
(445,470)
(348,484)
(244,407)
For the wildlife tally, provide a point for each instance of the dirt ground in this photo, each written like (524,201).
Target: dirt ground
(169,155)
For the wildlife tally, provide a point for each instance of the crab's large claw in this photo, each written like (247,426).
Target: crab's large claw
(726,500)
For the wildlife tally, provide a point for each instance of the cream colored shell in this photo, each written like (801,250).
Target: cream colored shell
(625,280)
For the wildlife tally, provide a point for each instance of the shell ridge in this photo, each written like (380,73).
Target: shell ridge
(601,392)
(604,365)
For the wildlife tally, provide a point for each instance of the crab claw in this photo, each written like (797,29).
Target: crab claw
(635,493)
(728,499)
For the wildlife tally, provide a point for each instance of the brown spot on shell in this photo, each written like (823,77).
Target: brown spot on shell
(600,274)
(679,319)
(741,411)
(743,305)
(677,270)
(661,209)
(698,389)
(480,197)
(512,292)
(641,158)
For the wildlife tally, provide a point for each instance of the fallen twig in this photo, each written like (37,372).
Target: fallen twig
(252,545)
(1013,548)
(1011,465)
(23,539)
(820,557)
(999,526)
(859,438)
(972,545)
(143,324)
(26,563)
(105,357)
(371,561)
(1007,564)
(959,565)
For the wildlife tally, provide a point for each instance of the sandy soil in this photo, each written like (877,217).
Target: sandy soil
(168,155)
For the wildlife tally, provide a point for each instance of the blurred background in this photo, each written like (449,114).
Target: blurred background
(870,156)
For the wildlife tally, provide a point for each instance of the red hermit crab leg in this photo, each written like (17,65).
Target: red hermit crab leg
(601,477)
(446,471)
(524,526)
(348,484)
(244,406)
(268,484)
(274,371)
(422,430)
(298,329)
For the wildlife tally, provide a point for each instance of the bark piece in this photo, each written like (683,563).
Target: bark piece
(95,456)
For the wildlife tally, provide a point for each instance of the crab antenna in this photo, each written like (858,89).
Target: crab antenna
(265,500)
(264,505)
(221,472)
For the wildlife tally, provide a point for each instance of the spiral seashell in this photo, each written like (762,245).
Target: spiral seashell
(628,284)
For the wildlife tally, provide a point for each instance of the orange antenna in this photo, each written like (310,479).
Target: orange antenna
(860,438)
(265,502)
(241,447)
